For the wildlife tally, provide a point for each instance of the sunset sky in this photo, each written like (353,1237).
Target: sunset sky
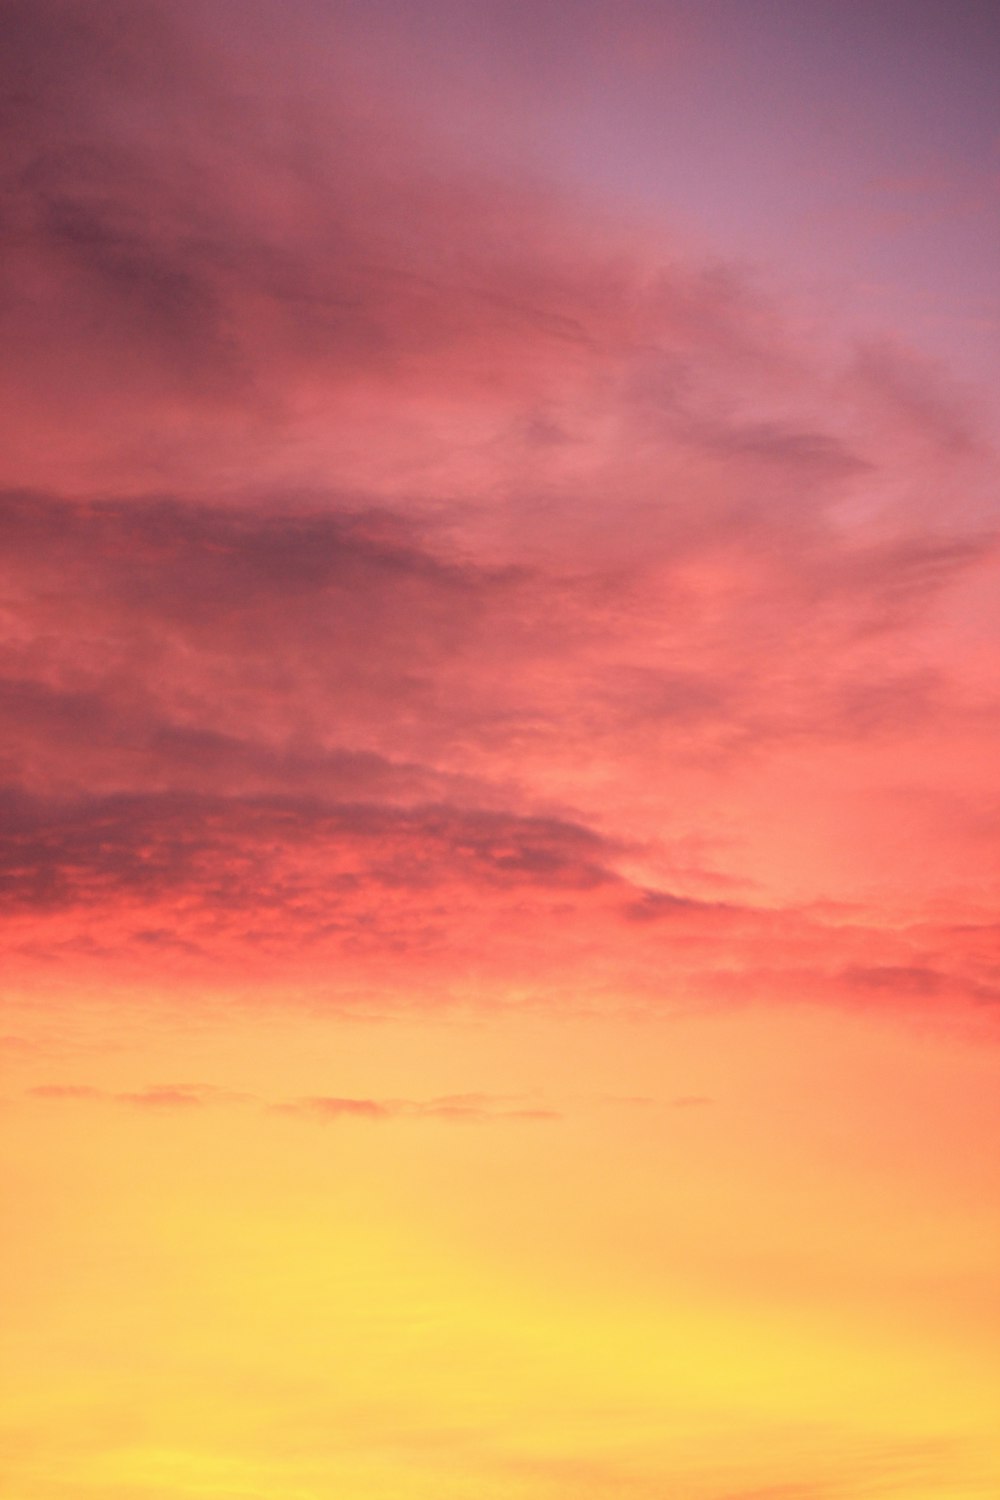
(499,723)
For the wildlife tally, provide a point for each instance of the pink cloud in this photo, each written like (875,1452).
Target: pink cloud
(166,1096)
(66,1091)
(408,566)
(462,1109)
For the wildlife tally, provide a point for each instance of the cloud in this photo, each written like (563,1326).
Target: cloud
(911,979)
(657,906)
(433,901)
(473,1108)
(141,848)
(458,1109)
(327,1108)
(406,566)
(166,1096)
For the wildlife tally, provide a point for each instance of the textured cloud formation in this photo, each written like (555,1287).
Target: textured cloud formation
(405,561)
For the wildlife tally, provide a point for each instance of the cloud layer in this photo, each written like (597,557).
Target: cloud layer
(405,560)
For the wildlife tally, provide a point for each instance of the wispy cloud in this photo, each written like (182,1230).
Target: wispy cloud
(166,1096)
(473,1108)
(458,1109)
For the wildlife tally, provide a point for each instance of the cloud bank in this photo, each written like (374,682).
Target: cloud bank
(406,568)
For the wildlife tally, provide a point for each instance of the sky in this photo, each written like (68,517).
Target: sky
(500,600)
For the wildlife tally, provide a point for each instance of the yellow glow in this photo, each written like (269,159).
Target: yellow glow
(235,1299)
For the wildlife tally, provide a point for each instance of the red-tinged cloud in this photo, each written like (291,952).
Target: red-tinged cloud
(462,1109)
(66,1091)
(169,1097)
(440,902)
(329,1108)
(166,1096)
(412,581)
